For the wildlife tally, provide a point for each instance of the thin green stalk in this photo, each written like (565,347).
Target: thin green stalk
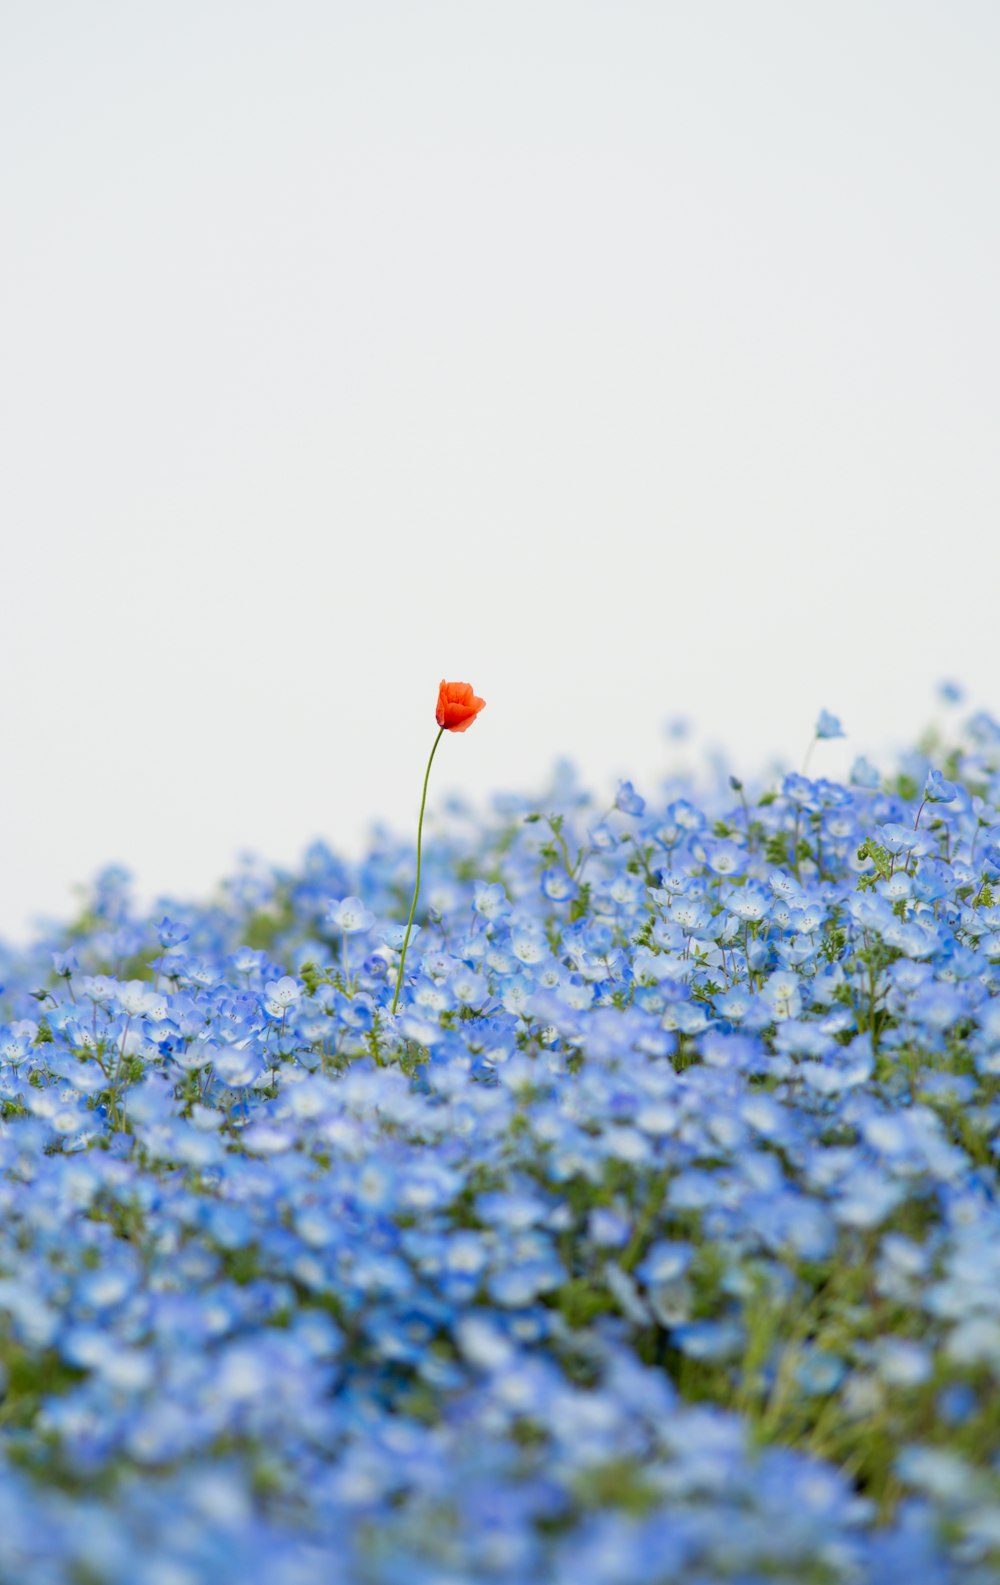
(416,888)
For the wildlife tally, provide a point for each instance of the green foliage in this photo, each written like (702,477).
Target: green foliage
(905,787)
(265,927)
(579,908)
(311,977)
(776,849)
(880,857)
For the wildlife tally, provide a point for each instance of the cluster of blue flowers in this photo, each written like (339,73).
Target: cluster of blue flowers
(655,1239)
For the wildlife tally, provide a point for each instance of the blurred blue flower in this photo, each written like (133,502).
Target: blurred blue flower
(828,725)
(350,916)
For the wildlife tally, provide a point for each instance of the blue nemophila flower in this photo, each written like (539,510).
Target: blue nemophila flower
(628,800)
(725,858)
(528,942)
(138,999)
(710,1340)
(238,1068)
(247,960)
(828,726)
(282,994)
(608,1228)
(98,988)
(171,933)
(864,774)
(674,883)
(782,993)
(665,1262)
(350,916)
(602,838)
(807,917)
(392,935)
(491,900)
(557,885)
(938,790)
(800,790)
(896,838)
(818,1372)
(748,903)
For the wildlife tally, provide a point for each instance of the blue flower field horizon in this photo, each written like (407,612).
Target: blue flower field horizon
(604,1194)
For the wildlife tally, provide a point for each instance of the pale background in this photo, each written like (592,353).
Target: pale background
(626,360)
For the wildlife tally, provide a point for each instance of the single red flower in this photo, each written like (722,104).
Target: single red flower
(457,706)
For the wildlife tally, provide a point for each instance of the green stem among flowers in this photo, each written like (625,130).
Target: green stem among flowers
(457,708)
(416,888)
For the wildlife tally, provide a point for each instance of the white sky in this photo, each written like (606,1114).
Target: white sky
(626,360)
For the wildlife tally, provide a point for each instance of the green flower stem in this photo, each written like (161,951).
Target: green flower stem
(416,889)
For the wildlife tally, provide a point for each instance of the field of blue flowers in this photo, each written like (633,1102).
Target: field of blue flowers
(654,1241)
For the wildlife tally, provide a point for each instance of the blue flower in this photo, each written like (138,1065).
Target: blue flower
(171,932)
(557,885)
(664,1262)
(864,774)
(491,900)
(828,726)
(938,790)
(350,916)
(628,800)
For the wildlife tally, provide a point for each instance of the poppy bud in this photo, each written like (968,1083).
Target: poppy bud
(457,706)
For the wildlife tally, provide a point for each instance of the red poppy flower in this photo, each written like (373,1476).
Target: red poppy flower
(457,706)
